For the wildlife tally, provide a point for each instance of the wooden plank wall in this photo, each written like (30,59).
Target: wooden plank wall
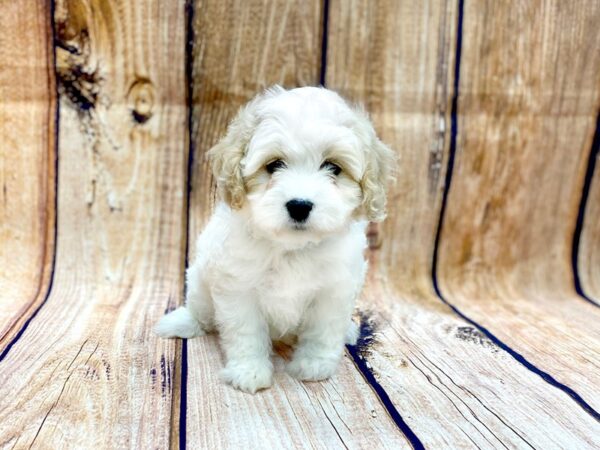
(27,134)
(526,125)
(587,254)
(475,331)
(88,372)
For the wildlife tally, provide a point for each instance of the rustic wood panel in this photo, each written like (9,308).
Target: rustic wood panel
(27,155)
(88,372)
(455,387)
(452,385)
(589,244)
(397,59)
(339,413)
(266,43)
(529,96)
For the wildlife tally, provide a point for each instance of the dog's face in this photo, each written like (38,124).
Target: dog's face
(302,164)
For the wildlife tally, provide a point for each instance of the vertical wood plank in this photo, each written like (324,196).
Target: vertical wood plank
(454,387)
(88,372)
(241,47)
(589,244)
(529,97)
(397,59)
(27,162)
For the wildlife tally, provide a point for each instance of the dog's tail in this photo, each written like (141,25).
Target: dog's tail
(179,323)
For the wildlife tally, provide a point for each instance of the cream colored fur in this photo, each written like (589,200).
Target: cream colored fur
(258,274)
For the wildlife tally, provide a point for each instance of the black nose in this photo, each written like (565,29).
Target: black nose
(299,209)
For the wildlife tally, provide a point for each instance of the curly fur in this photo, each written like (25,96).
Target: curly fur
(261,274)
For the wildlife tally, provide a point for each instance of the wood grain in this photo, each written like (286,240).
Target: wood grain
(397,59)
(266,43)
(454,387)
(589,244)
(27,156)
(88,372)
(339,413)
(529,96)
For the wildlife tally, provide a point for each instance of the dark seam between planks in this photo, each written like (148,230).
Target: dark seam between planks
(56,129)
(183,397)
(387,403)
(453,133)
(353,350)
(324,43)
(517,356)
(521,359)
(189,68)
(589,175)
(359,353)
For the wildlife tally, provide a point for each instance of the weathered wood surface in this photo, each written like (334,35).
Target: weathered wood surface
(280,43)
(263,48)
(527,115)
(27,130)
(589,244)
(397,58)
(88,371)
(341,412)
(454,386)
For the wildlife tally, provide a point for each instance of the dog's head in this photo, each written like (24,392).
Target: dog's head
(302,164)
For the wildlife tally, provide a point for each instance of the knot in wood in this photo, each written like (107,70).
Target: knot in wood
(141,98)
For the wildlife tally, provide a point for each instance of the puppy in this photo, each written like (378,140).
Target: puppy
(299,173)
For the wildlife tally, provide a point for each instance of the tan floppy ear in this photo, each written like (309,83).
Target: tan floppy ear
(378,172)
(226,156)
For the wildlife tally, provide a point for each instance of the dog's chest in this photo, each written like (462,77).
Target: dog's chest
(286,289)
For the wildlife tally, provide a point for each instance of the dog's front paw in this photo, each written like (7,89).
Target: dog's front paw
(248,375)
(312,368)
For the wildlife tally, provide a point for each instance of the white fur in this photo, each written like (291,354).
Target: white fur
(257,275)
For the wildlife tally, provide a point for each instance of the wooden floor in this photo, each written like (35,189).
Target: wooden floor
(480,321)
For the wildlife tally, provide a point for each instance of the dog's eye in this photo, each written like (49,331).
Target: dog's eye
(332,167)
(275,165)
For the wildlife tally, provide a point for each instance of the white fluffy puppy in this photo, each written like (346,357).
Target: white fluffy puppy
(299,173)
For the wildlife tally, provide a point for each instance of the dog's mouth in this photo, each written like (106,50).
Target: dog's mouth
(299,227)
